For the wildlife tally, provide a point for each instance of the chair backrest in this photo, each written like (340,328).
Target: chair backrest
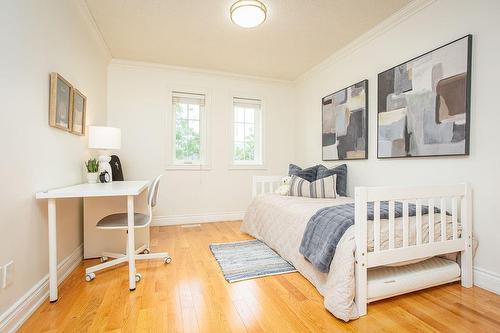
(153,192)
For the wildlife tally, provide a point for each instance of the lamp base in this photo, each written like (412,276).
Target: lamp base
(104,165)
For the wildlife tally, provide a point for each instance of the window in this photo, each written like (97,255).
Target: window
(188,120)
(247,131)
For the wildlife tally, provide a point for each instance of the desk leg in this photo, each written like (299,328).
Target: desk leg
(131,242)
(52,251)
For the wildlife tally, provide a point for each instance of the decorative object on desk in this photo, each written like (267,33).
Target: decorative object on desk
(92,168)
(116,168)
(79,109)
(424,104)
(60,102)
(104,177)
(345,123)
(104,139)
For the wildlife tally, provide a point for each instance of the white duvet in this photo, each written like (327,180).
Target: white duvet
(280,221)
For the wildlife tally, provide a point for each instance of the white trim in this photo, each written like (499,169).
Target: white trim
(197,218)
(163,67)
(389,23)
(95,28)
(12,319)
(487,280)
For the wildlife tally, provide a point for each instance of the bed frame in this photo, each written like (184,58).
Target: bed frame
(457,197)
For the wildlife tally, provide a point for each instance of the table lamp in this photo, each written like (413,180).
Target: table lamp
(104,139)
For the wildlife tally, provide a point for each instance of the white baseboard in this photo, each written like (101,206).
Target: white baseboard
(12,319)
(196,218)
(487,280)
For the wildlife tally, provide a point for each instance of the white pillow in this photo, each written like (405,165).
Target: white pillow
(321,188)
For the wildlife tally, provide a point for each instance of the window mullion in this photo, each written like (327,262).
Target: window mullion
(248,130)
(182,127)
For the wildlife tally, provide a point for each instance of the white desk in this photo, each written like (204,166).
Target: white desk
(126,188)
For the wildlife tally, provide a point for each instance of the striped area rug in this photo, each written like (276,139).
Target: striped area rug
(248,260)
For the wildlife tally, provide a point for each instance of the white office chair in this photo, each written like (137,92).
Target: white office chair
(120,221)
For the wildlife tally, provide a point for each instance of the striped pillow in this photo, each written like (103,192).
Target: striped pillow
(321,188)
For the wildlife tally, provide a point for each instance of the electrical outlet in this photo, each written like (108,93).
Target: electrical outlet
(8,274)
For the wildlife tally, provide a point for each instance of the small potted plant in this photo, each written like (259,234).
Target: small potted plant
(92,167)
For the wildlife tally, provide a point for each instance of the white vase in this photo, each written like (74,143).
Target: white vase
(92,177)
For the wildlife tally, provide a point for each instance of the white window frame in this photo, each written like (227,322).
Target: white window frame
(260,136)
(172,162)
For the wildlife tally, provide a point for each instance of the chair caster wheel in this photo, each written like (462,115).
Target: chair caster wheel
(168,260)
(146,251)
(138,277)
(104,259)
(89,277)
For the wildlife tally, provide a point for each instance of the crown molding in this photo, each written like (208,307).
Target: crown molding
(89,17)
(389,23)
(157,66)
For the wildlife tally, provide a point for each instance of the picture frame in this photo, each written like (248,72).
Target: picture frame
(424,104)
(79,112)
(344,119)
(60,102)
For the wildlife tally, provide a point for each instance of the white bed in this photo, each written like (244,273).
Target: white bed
(280,221)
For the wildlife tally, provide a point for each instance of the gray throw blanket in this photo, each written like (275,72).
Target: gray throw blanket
(325,229)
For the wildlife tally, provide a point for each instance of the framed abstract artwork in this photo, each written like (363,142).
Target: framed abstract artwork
(60,102)
(79,107)
(345,123)
(424,104)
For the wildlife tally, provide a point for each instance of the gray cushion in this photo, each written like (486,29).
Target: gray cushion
(308,174)
(120,220)
(341,172)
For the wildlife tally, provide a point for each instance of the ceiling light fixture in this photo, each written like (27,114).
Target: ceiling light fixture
(248,13)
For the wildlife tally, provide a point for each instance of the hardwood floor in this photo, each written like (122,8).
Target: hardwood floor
(191,295)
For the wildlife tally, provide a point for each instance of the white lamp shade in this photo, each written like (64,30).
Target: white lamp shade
(104,138)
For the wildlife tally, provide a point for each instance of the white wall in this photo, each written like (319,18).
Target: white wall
(39,37)
(138,102)
(391,44)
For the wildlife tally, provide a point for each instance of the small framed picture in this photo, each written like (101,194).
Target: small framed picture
(79,107)
(60,102)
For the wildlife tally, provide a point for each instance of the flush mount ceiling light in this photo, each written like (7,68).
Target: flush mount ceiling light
(248,13)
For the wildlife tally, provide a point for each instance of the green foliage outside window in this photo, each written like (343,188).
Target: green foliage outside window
(187,140)
(245,151)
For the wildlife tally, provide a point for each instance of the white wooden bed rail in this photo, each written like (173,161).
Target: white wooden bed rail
(448,198)
(265,184)
(432,196)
